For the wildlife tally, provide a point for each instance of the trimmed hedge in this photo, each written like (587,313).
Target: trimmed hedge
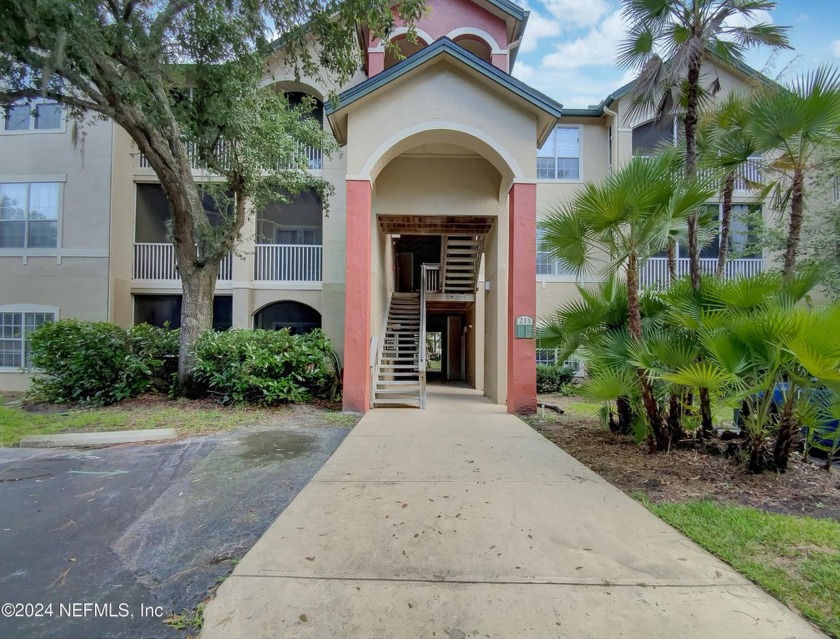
(101,363)
(264,367)
(551,379)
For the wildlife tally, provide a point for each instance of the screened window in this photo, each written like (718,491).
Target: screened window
(15,334)
(302,236)
(25,117)
(547,264)
(559,157)
(29,214)
(741,234)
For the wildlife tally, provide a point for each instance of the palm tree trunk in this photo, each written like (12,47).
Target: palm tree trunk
(692,105)
(706,423)
(625,416)
(788,429)
(658,438)
(672,259)
(725,224)
(797,201)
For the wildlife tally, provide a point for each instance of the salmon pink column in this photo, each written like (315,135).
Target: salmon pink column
(357,297)
(522,298)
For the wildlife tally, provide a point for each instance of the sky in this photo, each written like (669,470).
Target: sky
(569,47)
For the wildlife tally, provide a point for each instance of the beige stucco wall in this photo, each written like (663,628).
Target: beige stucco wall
(73,277)
(434,100)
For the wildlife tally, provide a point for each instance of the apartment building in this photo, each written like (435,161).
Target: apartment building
(447,163)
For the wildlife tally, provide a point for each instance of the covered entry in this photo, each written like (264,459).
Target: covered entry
(441,225)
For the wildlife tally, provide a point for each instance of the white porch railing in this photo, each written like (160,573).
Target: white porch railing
(288,262)
(156,261)
(654,273)
(431,278)
(314,156)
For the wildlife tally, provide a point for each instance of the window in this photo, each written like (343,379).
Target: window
(40,116)
(15,334)
(559,157)
(741,234)
(547,264)
(301,236)
(29,215)
(161,310)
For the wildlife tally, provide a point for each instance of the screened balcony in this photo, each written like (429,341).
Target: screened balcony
(289,240)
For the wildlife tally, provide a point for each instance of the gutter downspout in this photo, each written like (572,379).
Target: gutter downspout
(617,137)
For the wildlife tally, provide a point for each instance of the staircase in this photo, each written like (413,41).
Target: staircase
(460,261)
(398,378)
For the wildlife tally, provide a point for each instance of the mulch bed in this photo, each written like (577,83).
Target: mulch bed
(683,476)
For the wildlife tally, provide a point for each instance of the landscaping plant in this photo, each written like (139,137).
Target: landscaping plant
(100,363)
(263,367)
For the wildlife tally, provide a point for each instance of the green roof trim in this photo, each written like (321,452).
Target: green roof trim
(513,10)
(440,47)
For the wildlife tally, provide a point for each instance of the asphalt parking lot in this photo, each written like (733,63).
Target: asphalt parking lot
(107,542)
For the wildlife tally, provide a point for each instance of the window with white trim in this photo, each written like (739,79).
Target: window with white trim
(39,116)
(16,330)
(547,264)
(29,214)
(559,157)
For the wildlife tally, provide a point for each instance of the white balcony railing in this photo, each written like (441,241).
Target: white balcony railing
(288,262)
(314,156)
(431,276)
(654,273)
(155,261)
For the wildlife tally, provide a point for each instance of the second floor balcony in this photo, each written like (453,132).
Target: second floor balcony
(314,157)
(655,272)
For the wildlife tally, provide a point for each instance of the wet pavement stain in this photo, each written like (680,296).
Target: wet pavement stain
(270,446)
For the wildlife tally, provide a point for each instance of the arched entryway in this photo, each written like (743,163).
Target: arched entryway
(298,318)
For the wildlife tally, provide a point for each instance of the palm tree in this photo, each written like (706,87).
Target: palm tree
(755,342)
(724,145)
(617,224)
(795,123)
(595,324)
(667,43)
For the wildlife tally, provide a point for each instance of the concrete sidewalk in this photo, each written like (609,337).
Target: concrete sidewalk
(461,521)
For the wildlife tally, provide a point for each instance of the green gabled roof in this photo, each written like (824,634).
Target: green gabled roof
(440,47)
(513,10)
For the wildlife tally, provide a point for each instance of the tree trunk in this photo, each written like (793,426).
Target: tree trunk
(658,438)
(788,432)
(196,318)
(672,259)
(706,424)
(725,224)
(796,216)
(675,414)
(692,105)
(625,416)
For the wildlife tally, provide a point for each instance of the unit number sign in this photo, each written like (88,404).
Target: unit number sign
(524,327)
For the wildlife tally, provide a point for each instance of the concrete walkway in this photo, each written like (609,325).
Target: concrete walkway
(461,521)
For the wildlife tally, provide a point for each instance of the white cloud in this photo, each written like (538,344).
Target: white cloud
(761,16)
(835,48)
(539,27)
(523,71)
(597,47)
(577,13)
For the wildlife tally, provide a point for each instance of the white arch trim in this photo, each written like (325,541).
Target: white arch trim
(499,156)
(421,35)
(481,35)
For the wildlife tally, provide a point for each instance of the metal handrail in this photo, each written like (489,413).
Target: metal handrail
(377,345)
(421,364)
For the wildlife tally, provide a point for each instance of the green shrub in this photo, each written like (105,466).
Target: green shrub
(99,362)
(263,367)
(550,379)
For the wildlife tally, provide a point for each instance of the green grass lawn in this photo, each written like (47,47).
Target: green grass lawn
(187,417)
(796,559)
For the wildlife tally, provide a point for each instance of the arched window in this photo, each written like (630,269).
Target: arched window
(406,49)
(476,46)
(298,318)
